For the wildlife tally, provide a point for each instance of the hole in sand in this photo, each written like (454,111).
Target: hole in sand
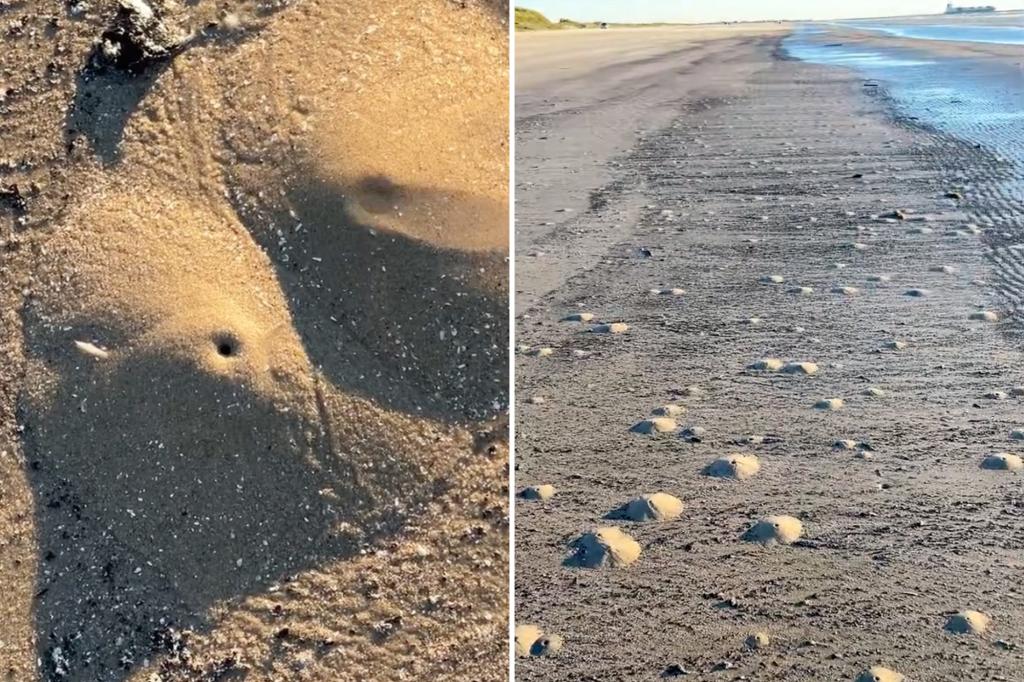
(227,345)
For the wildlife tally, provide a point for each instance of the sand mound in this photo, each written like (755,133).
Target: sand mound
(805,368)
(655,425)
(1003,461)
(783,530)
(830,404)
(607,546)
(653,507)
(612,328)
(968,623)
(525,637)
(756,641)
(693,434)
(985,316)
(542,492)
(800,291)
(739,467)
(766,365)
(851,445)
(879,674)
(578,317)
(668,411)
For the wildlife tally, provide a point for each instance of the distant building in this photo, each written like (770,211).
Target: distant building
(953,9)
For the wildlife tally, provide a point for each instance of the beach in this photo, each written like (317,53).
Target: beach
(760,257)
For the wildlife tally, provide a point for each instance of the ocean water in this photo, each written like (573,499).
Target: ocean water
(976,100)
(1008,35)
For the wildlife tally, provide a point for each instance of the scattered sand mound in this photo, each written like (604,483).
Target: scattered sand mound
(773,279)
(968,623)
(766,365)
(945,269)
(846,291)
(806,368)
(525,637)
(541,492)
(896,344)
(654,426)
(879,279)
(668,292)
(607,546)
(578,317)
(668,410)
(830,404)
(693,434)
(873,392)
(916,293)
(542,352)
(613,328)
(757,641)
(879,674)
(996,395)
(653,507)
(1017,434)
(800,291)
(985,316)
(740,467)
(783,530)
(851,445)
(1003,461)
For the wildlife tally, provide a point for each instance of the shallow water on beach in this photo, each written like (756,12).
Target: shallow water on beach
(1007,35)
(978,101)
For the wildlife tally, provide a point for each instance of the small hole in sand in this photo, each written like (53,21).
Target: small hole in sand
(227,347)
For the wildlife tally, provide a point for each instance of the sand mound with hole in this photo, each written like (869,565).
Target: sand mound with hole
(880,674)
(805,368)
(756,641)
(740,467)
(612,328)
(782,530)
(542,492)
(608,546)
(1003,461)
(222,406)
(525,637)
(653,507)
(655,425)
(766,365)
(968,623)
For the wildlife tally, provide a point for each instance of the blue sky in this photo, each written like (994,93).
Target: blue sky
(731,10)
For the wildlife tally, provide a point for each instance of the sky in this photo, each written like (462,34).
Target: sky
(738,10)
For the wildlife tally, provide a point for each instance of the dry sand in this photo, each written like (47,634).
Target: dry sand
(254,342)
(718,180)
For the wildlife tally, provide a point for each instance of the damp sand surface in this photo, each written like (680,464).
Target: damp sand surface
(771,170)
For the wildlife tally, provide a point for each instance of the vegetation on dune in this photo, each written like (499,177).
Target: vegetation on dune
(531,20)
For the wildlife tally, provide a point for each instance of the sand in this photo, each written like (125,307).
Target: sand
(738,134)
(254,349)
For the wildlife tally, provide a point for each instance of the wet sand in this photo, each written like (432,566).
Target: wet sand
(254,364)
(761,167)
